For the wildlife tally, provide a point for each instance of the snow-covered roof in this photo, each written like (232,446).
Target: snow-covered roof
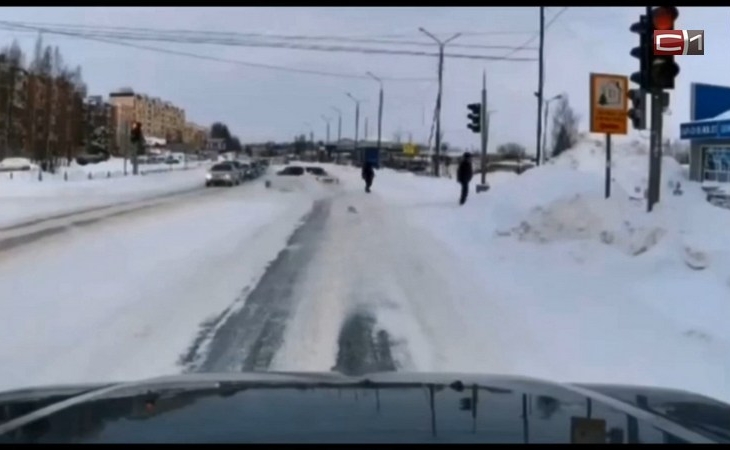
(722,116)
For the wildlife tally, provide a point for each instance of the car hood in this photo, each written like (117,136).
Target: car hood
(384,407)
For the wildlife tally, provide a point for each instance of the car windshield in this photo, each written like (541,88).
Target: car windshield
(459,190)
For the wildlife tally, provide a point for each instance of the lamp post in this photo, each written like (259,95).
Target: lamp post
(441,45)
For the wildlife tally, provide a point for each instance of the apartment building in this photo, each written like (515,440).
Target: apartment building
(195,136)
(13,92)
(159,119)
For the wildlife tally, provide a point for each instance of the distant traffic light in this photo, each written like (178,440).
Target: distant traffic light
(135,134)
(637,113)
(475,117)
(643,52)
(663,67)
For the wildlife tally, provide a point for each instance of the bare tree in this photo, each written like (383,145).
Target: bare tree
(565,127)
(511,150)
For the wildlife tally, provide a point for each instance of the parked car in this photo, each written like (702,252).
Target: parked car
(15,164)
(291,171)
(223,174)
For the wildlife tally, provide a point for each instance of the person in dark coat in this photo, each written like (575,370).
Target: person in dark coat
(368,173)
(463,175)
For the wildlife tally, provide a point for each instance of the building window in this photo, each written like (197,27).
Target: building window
(716,164)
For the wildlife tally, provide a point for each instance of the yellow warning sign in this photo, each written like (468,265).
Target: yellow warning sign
(609,103)
(410,149)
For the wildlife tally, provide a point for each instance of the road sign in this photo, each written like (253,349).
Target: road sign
(410,149)
(609,103)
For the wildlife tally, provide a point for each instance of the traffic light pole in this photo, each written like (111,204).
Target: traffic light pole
(655,153)
(484,128)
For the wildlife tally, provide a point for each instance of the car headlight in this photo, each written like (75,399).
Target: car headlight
(227,176)
(208,176)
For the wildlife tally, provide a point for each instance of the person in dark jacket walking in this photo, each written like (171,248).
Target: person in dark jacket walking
(463,175)
(368,173)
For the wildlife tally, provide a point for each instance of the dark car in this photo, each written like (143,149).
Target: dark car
(223,174)
(389,407)
(291,171)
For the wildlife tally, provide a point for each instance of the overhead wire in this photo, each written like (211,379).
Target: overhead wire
(285,45)
(237,62)
(537,35)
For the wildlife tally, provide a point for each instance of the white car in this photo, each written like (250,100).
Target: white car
(321,175)
(16,165)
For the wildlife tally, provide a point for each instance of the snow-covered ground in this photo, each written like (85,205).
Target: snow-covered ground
(124,299)
(540,276)
(572,287)
(24,198)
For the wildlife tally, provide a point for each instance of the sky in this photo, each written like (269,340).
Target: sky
(260,104)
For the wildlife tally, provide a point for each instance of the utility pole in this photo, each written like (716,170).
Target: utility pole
(357,124)
(485,122)
(380,110)
(540,83)
(441,45)
(339,123)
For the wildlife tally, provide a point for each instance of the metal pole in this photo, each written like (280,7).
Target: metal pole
(437,153)
(543,149)
(365,134)
(655,154)
(357,125)
(328,133)
(608,165)
(484,123)
(125,143)
(380,119)
(540,83)
(440,90)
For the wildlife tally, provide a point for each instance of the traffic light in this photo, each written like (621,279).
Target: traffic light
(135,134)
(637,113)
(643,52)
(663,68)
(475,117)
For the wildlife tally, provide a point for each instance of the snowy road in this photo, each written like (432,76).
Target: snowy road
(320,278)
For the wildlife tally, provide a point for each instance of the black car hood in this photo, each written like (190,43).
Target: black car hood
(377,408)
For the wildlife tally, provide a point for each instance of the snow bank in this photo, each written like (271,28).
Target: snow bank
(23,200)
(601,290)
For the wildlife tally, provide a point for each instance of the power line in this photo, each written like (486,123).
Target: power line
(266,35)
(537,35)
(284,45)
(237,62)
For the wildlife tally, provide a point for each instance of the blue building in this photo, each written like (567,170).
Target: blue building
(708,133)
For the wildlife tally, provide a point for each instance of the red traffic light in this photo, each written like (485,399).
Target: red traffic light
(663,17)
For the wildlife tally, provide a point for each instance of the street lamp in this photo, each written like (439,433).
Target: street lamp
(441,45)
(380,109)
(327,121)
(339,123)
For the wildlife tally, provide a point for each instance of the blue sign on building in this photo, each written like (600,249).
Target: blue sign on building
(708,102)
(705,130)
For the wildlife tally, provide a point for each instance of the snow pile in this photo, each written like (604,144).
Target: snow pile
(587,289)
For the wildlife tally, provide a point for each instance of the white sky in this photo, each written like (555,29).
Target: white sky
(261,104)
